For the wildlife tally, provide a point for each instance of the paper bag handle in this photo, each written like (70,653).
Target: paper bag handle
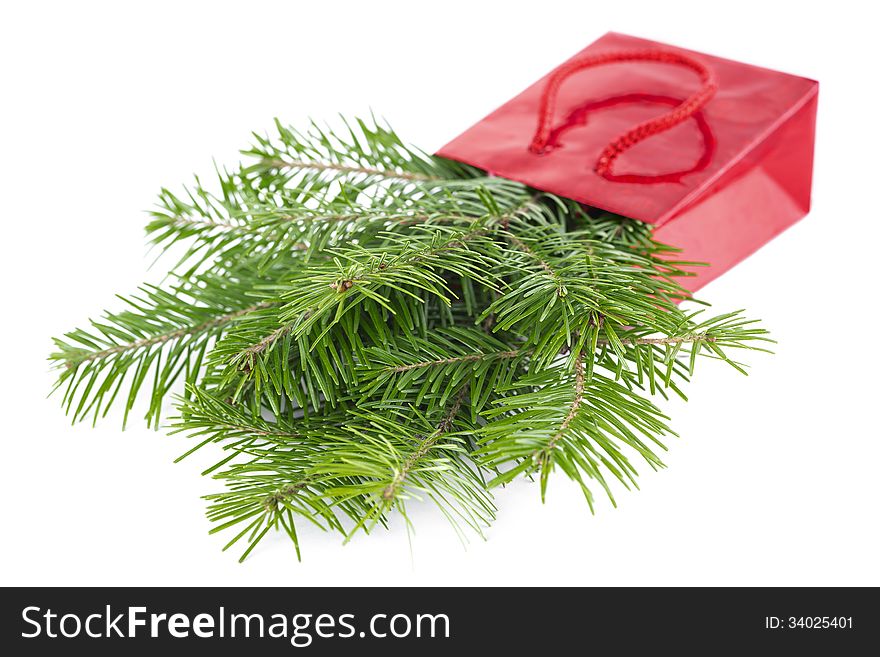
(642,131)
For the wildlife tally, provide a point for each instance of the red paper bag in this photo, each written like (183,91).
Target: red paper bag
(718,155)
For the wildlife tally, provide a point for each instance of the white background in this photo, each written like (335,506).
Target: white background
(775,478)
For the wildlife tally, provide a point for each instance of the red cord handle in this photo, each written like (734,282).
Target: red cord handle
(642,131)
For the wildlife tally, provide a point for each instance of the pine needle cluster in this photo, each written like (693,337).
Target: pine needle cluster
(355,325)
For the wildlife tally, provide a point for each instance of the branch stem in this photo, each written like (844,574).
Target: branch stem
(525,248)
(694,337)
(443,427)
(271,502)
(575,405)
(679,339)
(448,361)
(345,168)
(171,335)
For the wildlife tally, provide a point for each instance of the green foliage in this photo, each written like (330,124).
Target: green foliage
(355,325)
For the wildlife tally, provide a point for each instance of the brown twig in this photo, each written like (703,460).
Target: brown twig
(172,335)
(446,361)
(573,409)
(344,168)
(443,427)
(525,248)
(693,337)
(181,220)
(268,341)
(246,228)
(272,501)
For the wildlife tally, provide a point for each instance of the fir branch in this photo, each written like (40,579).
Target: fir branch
(467,358)
(397,265)
(579,377)
(360,325)
(578,422)
(167,331)
(162,338)
(402,266)
(272,502)
(249,353)
(205,415)
(390,491)
(348,169)
(408,367)
(525,248)
(384,459)
(364,148)
(672,339)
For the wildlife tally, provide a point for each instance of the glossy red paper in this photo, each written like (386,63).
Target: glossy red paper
(718,185)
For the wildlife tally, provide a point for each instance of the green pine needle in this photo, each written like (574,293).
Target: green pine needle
(355,326)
